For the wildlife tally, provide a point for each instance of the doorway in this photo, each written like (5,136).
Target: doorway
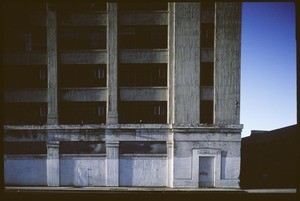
(206,171)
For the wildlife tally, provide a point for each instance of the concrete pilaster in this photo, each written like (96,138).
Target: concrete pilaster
(227,63)
(170,150)
(171,72)
(52,117)
(186,63)
(112,163)
(112,63)
(53,163)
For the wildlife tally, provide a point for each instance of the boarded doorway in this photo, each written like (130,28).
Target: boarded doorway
(206,171)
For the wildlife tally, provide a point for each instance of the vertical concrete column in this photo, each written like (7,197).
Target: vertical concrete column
(112,63)
(112,163)
(227,63)
(170,150)
(52,117)
(171,64)
(187,63)
(53,163)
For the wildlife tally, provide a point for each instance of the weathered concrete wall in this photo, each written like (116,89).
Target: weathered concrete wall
(143,56)
(230,168)
(83,94)
(84,19)
(28,58)
(187,67)
(25,170)
(83,57)
(143,171)
(227,63)
(28,95)
(82,170)
(143,93)
(227,168)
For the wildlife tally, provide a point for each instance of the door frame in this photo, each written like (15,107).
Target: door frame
(216,154)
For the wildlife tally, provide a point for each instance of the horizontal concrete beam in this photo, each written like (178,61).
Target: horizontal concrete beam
(83,57)
(144,56)
(54,135)
(144,18)
(143,93)
(26,58)
(207,54)
(26,95)
(206,136)
(83,94)
(207,93)
(84,19)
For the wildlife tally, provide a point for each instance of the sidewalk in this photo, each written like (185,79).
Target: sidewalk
(139,189)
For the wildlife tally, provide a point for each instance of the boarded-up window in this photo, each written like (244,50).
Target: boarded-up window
(143,147)
(25,148)
(82,147)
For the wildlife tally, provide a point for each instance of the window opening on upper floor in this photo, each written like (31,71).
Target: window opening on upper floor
(139,75)
(143,37)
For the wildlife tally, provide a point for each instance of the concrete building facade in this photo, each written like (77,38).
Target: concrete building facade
(122,94)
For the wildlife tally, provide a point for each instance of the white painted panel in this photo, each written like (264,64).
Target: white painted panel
(82,171)
(183,167)
(143,171)
(230,168)
(25,171)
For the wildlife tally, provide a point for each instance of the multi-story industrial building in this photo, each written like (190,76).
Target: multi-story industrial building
(121,94)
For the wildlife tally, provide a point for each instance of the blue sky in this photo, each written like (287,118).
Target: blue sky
(268,66)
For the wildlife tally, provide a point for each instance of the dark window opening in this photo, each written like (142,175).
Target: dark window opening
(207,6)
(22,13)
(206,111)
(82,75)
(143,147)
(25,113)
(82,38)
(22,77)
(143,37)
(82,147)
(82,112)
(25,148)
(207,74)
(81,5)
(207,35)
(145,6)
(143,112)
(25,40)
(139,75)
